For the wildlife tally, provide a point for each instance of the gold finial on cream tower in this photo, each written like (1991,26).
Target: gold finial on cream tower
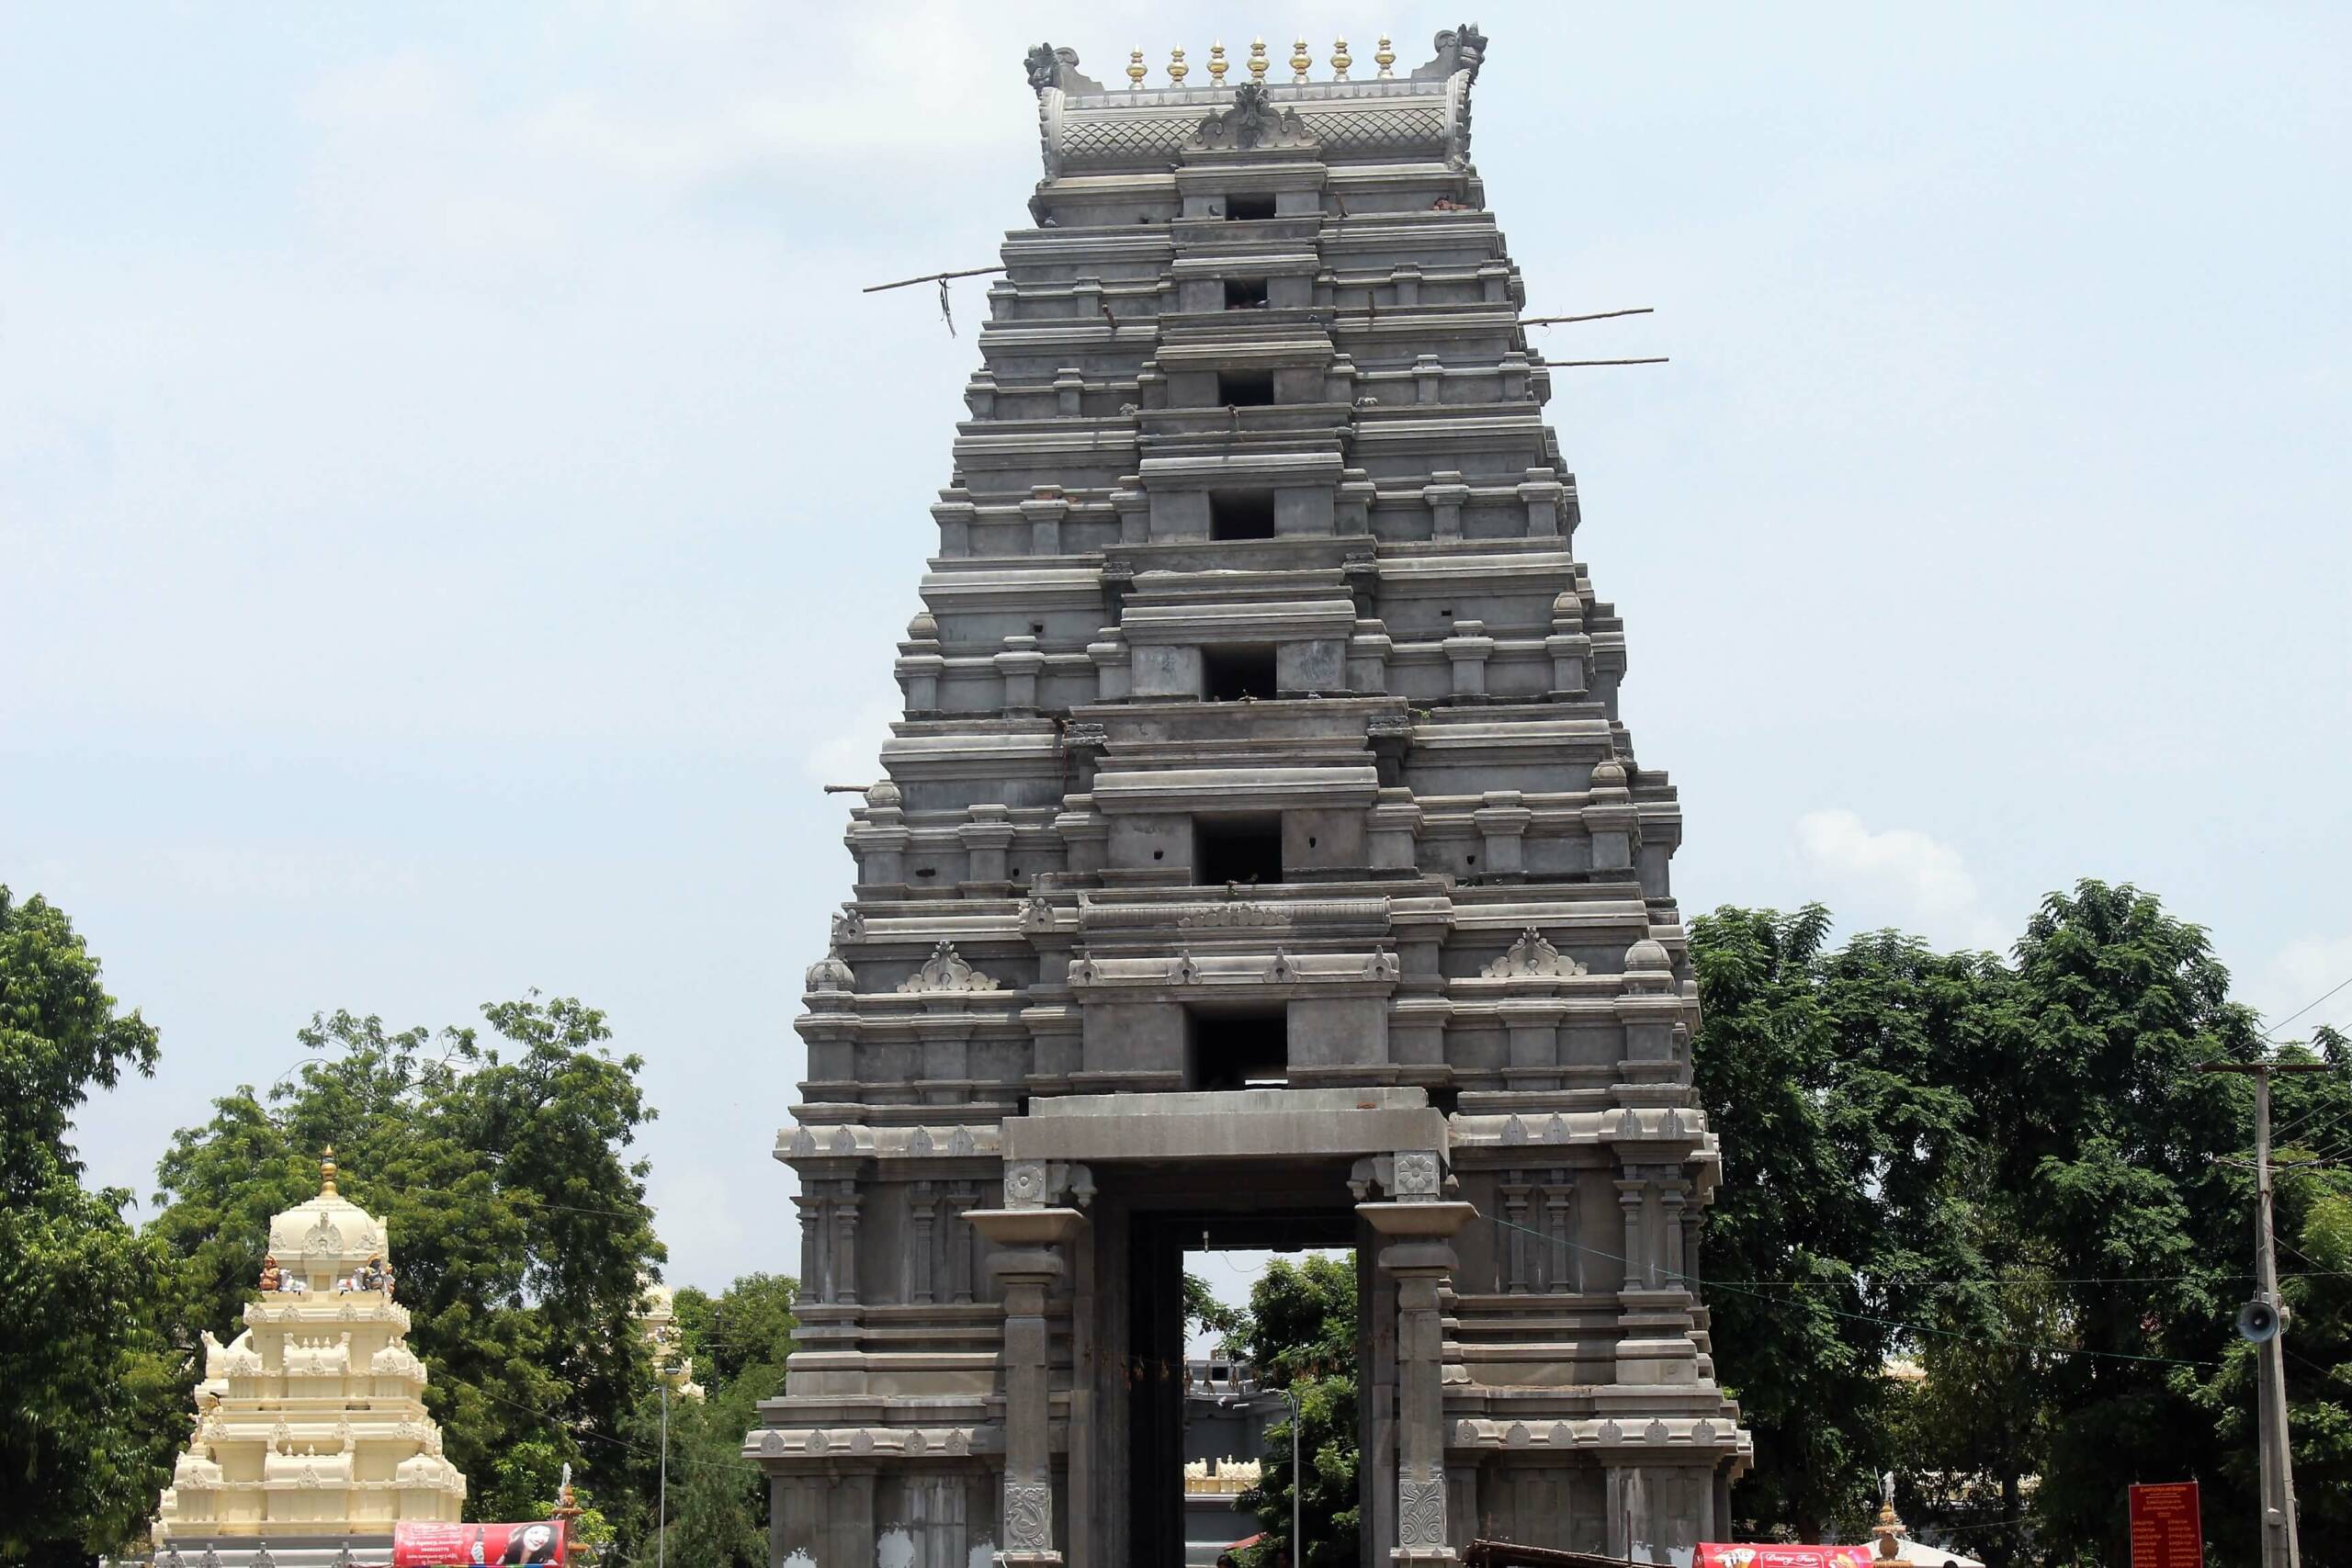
(1340,61)
(1176,67)
(1258,62)
(326,1173)
(1299,61)
(1217,66)
(1136,68)
(1386,56)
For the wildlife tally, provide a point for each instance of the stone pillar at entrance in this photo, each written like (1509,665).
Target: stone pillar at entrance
(1028,1264)
(1417,1257)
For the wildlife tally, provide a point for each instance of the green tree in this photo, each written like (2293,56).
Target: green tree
(1840,1191)
(1206,1313)
(2108,1154)
(1302,1328)
(738,1341)
(91,1384)
(517,1219)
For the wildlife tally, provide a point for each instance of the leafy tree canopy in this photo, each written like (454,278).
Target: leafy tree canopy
(84,1444)
(717,1500)
(2011,1178)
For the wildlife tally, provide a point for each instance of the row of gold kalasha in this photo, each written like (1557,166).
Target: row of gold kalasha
(1300,63)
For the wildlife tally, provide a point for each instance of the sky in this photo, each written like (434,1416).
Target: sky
(457,506)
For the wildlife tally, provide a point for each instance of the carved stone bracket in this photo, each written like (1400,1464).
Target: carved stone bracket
(1039,1184)
(1531,954)
(1252,121)
(945,970)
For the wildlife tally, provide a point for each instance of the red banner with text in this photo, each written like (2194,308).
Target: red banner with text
(478,1546)
(1769,1554)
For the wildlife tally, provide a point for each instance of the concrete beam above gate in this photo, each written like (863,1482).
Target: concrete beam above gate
(1288,1124)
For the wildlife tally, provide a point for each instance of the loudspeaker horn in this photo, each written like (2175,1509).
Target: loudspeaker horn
(2258,1322)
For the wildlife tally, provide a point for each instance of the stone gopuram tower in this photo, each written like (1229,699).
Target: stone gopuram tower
(1260,861)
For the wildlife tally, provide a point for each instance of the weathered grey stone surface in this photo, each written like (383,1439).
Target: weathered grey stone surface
(1261,853)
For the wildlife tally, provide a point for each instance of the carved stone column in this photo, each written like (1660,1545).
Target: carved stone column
(960,1242)
(1417,1257)
(1028,1263)
(921,1209)
(816,1246)
(1637,1261)
(845,1245)
(1564,1271)
(1515,1190)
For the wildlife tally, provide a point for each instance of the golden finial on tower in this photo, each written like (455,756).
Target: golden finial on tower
(1217,66)
(1136,69)
(1386,55)
(1258,60)
(1299,61)
(326,1174)
(1176,67)
(1340,61)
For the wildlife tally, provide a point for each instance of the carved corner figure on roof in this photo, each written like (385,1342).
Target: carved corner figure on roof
(1252,121)
(1462,48)
(1460,51)
(1051,67)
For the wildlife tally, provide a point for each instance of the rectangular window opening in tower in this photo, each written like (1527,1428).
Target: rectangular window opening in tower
(1245,293)
(1247,850)
(1242,514)
(1244,209)
(1245,389)
(1229,675)
(1233,1049)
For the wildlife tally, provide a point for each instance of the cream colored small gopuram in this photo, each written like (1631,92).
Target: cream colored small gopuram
(310,1428)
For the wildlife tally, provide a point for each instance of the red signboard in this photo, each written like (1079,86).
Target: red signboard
(1770,1554)
(2165,1529)
(464,1546)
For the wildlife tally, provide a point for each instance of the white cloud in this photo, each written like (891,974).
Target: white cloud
(2305,968)
(852,754)
(1898,876)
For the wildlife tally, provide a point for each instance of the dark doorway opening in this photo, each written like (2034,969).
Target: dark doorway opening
(1230,674)
(1242,514)
(1249,1211)
(1245,389)
(1245,293)
(1241,208)
(1237,1050)
(1238,849)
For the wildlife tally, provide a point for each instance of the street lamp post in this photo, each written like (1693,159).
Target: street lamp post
(1297,1481)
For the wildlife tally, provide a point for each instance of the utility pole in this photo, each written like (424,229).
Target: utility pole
(2278,1545)
(661,1516)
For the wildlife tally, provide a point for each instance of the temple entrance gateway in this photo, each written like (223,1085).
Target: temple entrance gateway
(1264,1168)
(1261,846)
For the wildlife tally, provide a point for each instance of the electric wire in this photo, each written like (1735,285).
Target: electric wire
(2307,1006)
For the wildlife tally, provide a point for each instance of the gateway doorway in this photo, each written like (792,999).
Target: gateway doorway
(1180,1406)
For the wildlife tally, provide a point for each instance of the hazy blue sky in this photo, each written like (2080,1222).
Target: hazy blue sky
(455,505)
